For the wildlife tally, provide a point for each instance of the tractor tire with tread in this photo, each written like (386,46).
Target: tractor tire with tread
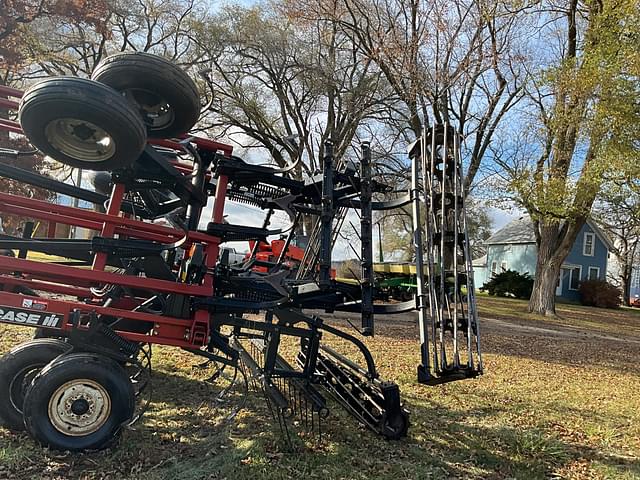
(164,95)
(17,368)
(82,123)
(79,402)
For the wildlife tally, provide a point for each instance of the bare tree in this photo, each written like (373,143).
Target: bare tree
(618,214)
(287,88)
(446,61)
(62,46)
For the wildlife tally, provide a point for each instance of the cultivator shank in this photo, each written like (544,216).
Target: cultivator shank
(152,270)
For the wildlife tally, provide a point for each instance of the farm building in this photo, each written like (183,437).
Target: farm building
(514,248)
(634,292)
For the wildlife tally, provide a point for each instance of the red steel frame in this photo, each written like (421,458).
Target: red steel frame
(77,281)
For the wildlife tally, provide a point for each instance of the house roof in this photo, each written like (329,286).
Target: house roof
(603,236)
(480,262)
(521,231)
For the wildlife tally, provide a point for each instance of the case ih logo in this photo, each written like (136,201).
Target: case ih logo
(29,317)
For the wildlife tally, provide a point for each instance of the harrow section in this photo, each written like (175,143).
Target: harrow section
(447,312)
(152,270)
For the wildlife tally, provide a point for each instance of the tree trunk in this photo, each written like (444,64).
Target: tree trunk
(626,284)
(543,296)
(554,243)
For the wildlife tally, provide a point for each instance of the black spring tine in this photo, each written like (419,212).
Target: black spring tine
(277,417)
(227,389)
(300,404)
(243,401)
(266,397)
(290,397)
(280,419)
(285,428)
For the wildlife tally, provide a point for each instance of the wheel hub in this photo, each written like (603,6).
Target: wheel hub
(155,110)
(79,407)
(80,139)
(82,131)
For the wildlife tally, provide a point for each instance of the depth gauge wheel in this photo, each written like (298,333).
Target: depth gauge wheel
(17,368)
(163,94)
(79,402)
(395,426)
(82,123)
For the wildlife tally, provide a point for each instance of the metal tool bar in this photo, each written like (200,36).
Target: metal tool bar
(326,217)
(366,246)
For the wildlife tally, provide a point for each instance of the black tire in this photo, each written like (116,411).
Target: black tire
(82,123)
(164,95)
(17,368)
(88,396)
(395,427)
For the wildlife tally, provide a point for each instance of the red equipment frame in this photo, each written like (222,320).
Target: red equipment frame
(77,281)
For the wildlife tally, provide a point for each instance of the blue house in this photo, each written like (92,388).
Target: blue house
(634,291)
(514,248)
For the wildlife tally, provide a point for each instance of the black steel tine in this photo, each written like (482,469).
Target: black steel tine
(291,401)
(313,423)
(286,431)
(300,404)
(266,397)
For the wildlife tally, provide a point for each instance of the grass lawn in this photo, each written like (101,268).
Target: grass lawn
(560,399)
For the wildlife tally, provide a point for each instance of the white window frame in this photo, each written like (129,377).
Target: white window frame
(597,269)
(572,269)
(503,266)
(494,268)
(593,244)
(559,284)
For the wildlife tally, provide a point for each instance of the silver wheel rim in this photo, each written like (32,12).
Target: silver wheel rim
(155,110)
(79,407)
(80,139)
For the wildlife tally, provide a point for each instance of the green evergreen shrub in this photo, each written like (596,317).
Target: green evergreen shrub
(509,283)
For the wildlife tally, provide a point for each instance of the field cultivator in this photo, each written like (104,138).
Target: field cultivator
(152,270)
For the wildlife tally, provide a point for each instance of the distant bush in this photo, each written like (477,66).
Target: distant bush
(509,283)
(599,293)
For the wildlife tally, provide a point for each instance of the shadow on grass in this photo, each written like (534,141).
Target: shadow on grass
(443,443)
(184,436)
